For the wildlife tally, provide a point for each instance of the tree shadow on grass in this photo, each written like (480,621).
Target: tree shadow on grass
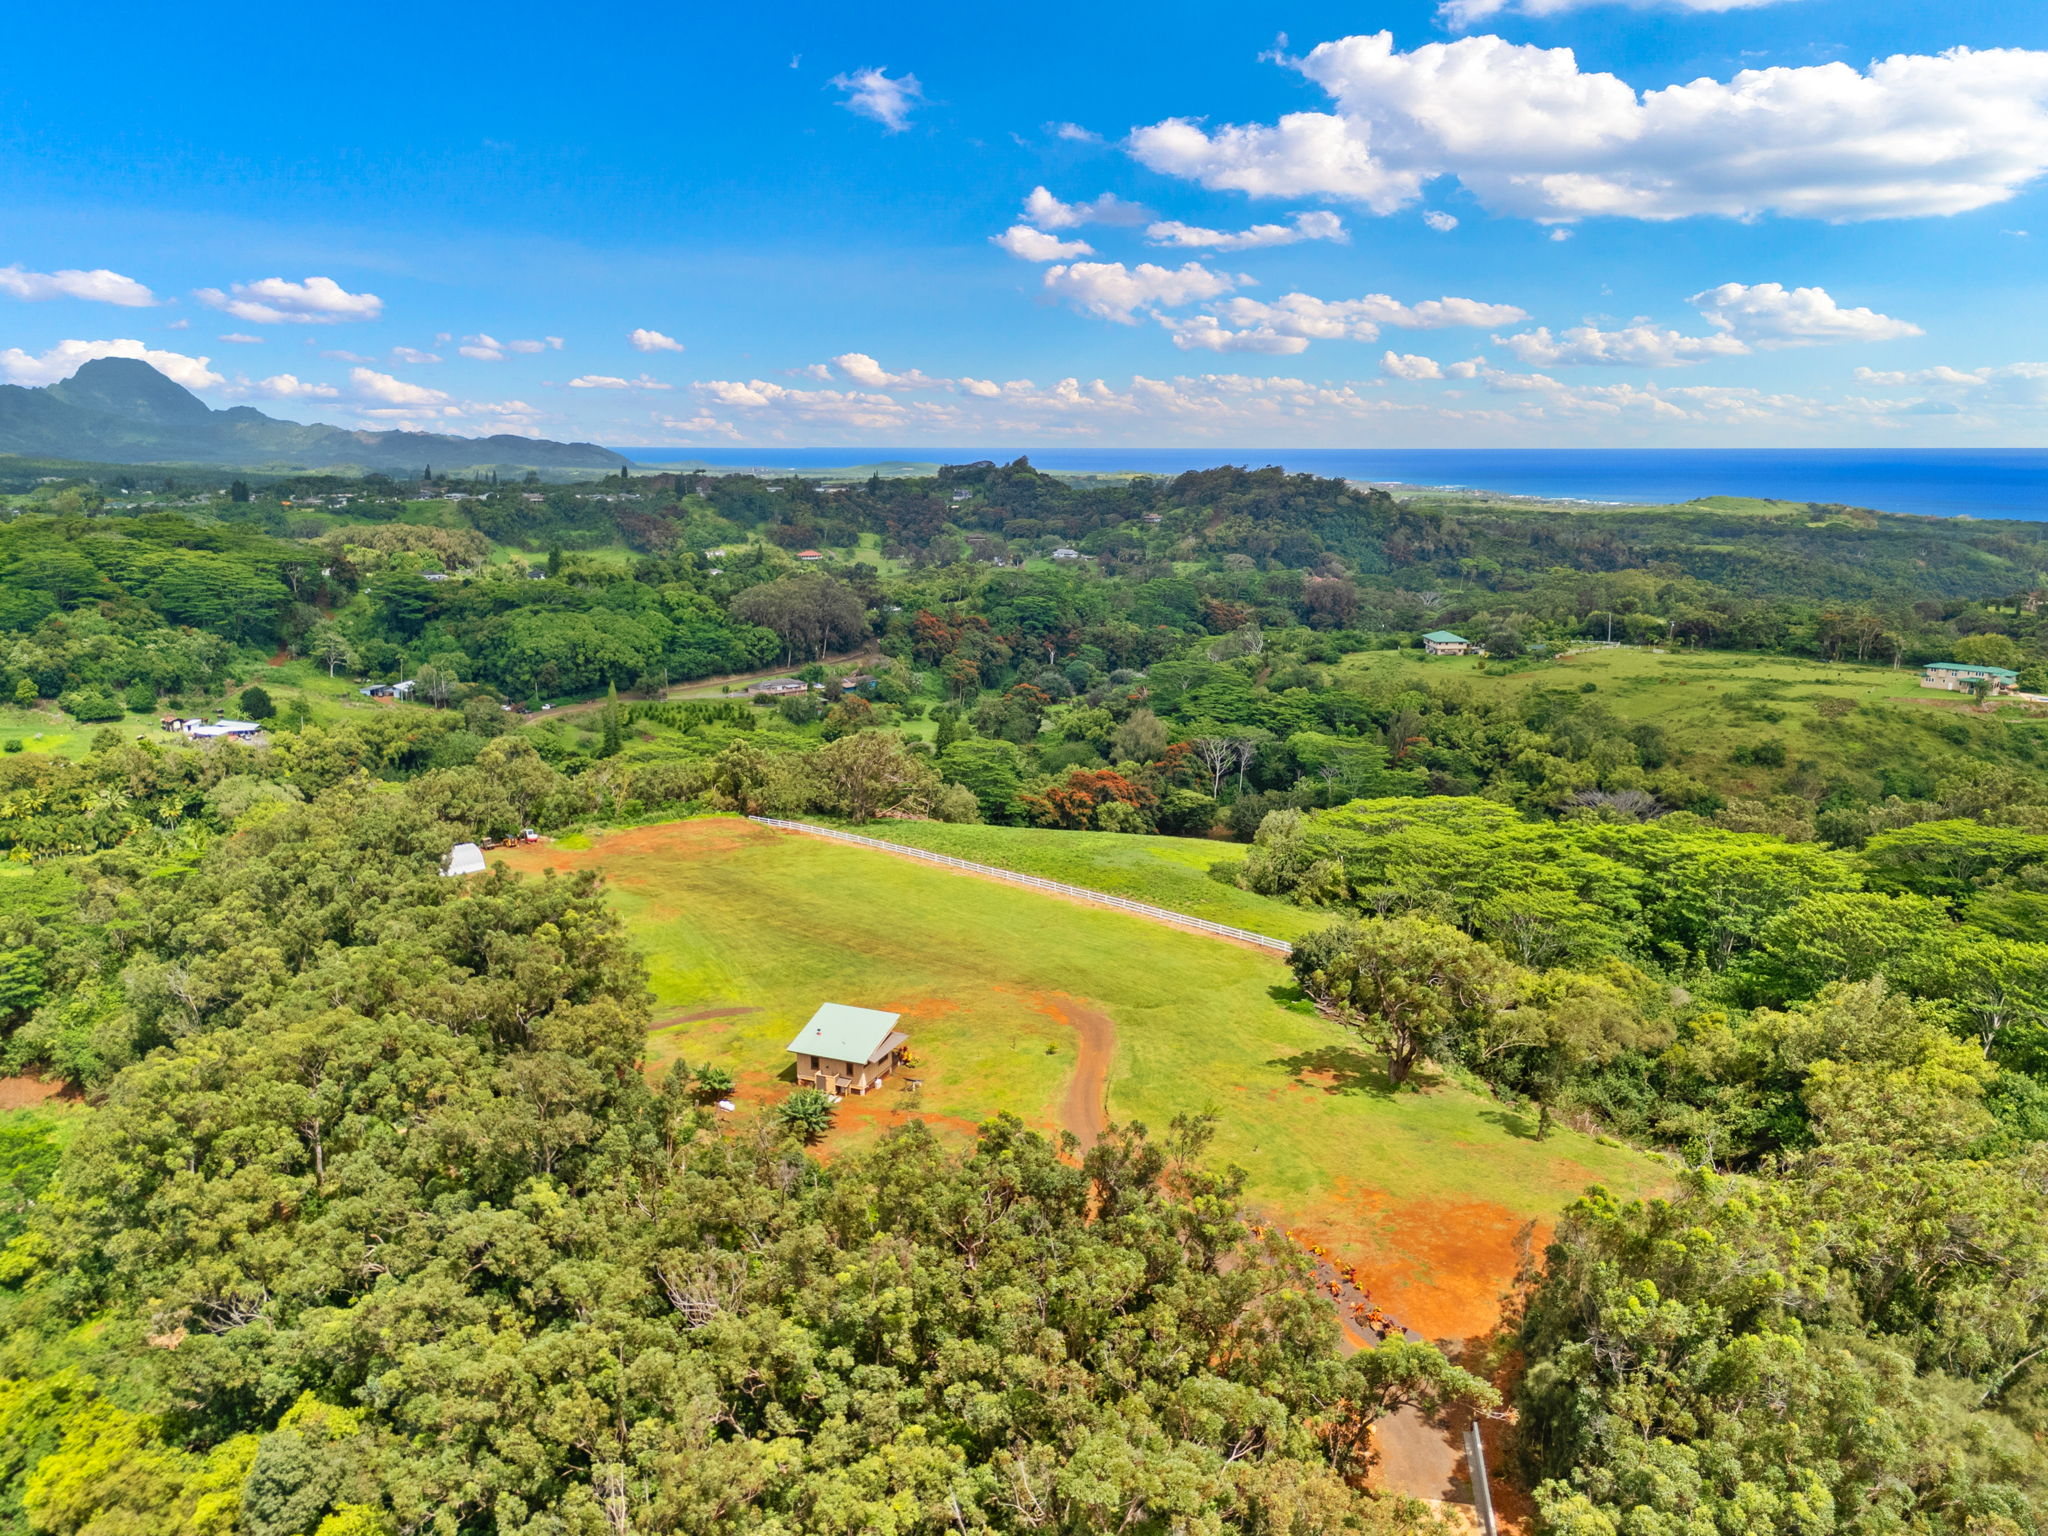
(1340,1069)
(1292,998)
(1520,1126)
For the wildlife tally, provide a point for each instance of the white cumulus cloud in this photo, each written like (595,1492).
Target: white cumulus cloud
(1048,212)
(1303,226)
(1772,315)
(645,340)
(413,355)
(1021,240)
(241,338)
(873,93)
(864,370)
(1288,324)
(1113,291)
(1641,345)
(1529,133)
(99,285)
(284,386)
(274,301)
(63,360)
(2023,385)
(1941,373)
(1410,365)
(385,390)
(1442,223)
(1468,13)
(608,381)
(1209,334)
(847,409)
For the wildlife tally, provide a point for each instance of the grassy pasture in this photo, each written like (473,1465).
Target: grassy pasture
(1170,872)
(747,930)
(1710,702)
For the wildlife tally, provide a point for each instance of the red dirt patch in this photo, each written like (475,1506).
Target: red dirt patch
(1085,1109)
(30,1092)
(892,1105)
(705,835)
(922,1008)
(1439,1267)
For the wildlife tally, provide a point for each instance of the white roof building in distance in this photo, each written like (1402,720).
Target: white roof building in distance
(199,730)
(464,859)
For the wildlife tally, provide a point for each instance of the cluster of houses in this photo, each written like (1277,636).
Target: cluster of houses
(776,687)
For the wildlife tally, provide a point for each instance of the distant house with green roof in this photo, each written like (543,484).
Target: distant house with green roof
(1441,642)
(1962,676)
(846,1050)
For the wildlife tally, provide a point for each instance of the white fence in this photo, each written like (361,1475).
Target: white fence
(1076,892)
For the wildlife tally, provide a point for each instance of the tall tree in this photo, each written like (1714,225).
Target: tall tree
(1413,987)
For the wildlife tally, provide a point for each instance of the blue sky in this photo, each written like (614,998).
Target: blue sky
(1486,223)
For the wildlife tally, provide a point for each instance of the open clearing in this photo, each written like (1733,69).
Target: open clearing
(1432,1194)
(1170,872)
(1742,698)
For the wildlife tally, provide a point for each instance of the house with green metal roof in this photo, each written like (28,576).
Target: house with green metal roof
(1441,642)
(1962,676)
(846,1050)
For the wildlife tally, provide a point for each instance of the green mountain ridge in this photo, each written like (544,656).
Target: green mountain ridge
(121,410)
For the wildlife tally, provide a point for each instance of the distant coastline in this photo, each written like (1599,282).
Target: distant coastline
(1931,482)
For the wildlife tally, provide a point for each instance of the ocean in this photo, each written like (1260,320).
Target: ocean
(1930,482)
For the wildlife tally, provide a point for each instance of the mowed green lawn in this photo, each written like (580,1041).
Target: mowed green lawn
(1428,1190)
(1170,872)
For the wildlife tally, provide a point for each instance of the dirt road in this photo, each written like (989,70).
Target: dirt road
(1085,1109)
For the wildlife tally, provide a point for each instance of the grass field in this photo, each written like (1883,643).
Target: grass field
(1709,702)
(53,731)
(747,930)
(1170,872)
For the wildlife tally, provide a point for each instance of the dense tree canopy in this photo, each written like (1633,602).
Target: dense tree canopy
(374,1225)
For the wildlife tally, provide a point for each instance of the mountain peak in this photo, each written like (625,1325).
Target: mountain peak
(118,410)
(129,387)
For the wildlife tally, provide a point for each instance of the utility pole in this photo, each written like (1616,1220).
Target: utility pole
(1482,1491)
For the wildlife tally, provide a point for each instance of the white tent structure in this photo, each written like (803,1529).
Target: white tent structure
(464,859)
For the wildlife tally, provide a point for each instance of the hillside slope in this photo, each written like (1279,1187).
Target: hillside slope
(120,410)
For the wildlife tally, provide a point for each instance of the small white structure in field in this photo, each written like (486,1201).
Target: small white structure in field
(241,730)
(464,859)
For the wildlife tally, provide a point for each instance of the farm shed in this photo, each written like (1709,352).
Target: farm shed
(464,859)
(847,1050)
